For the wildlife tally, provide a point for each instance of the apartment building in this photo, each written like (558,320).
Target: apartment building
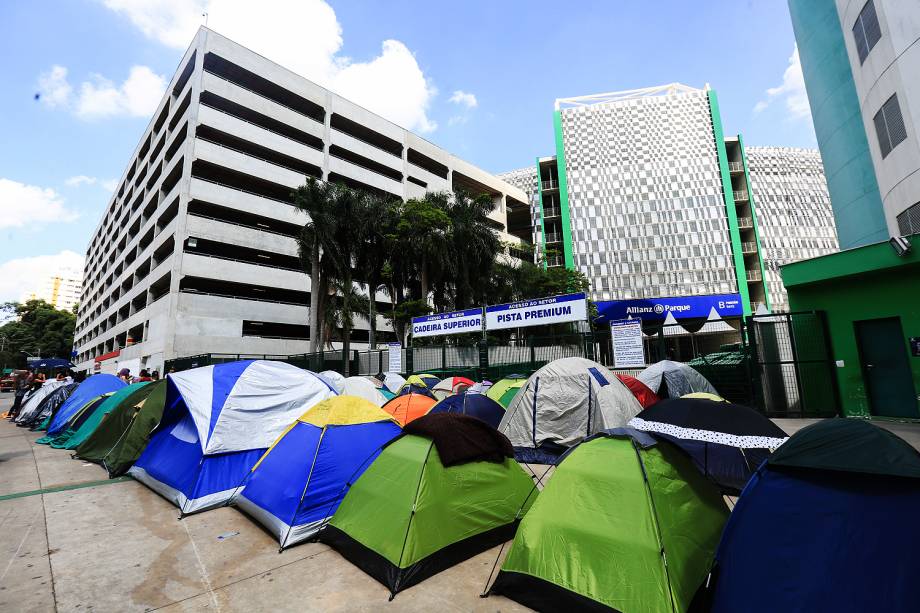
(196,251)
(61,290)
(860,60)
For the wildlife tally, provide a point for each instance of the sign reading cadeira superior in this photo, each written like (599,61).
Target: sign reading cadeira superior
(626,337)
(538,312)
(457,322)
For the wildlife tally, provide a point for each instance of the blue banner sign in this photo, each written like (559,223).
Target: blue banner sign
(538,312)
(726,305)
(458,322)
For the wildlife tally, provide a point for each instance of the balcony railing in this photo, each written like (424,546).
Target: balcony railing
(551,212)
(756,305)
(740,195)
(754,275)
(736,166)
(748,248)
(745,223)
(553,237)
(553,261)
(551,184)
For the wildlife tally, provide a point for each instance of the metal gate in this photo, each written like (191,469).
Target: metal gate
(792,365)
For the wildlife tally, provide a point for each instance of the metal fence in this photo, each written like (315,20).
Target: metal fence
(780,363)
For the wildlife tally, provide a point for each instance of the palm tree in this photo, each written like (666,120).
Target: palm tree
(423,227)
(473,245)
(377,219)
(317,247)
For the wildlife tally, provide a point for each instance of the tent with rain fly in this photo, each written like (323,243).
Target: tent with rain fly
(92,387)
(335,379)
(504,390)
(217,423)
(643,394)
(300,481)
(626,524)
(444,491)
(563,403)
(674,379)
(363,388)
(49,406)
(72,437)
(451,385)
(726,441)
(409,407)
(77,419)
(123,434)
(479,406)
(419,384)
(828,523)
(38,403)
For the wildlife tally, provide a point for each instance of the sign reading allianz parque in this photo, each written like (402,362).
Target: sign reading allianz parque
(538,312)
(458,322)
(726,305)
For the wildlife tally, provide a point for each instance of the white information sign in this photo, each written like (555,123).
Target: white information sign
(626,337)
(395,352)
(538,312)
(458,322)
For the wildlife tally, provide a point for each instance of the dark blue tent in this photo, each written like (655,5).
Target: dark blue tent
(475,405)
(89,389)
(829,523)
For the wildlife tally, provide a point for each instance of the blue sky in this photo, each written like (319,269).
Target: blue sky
(478,78)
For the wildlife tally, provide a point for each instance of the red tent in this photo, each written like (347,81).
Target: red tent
(641,391)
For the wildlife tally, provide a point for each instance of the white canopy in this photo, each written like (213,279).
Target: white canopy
(672,328)
(715,324)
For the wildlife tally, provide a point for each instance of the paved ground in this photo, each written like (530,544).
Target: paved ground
(117,546)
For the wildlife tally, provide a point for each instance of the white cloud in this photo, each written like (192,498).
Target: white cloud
(457,120)
(137,96)
(791,90)
(464,99)
(78,180)
(53,88)
(23,205)
(304,36)
(22,276)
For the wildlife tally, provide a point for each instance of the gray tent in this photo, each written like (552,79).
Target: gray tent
(32,403)
(563,403)
(674,379)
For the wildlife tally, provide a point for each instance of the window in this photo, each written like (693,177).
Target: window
(889,125)
(866,31)
(909,221)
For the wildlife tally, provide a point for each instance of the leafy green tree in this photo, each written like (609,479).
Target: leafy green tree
(473,246)
(377,219)
(423,226)
(35,328)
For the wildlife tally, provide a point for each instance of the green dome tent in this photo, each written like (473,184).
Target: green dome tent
(446,490)
(625,524)
(504,391)
(122,436)
(71,439)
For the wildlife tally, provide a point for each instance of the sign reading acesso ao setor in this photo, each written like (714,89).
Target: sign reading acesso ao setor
(538,312)
(458,322)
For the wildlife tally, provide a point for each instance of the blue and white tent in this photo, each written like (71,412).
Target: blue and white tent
(217,422)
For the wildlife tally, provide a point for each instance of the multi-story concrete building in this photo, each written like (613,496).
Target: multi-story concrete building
(793,211)
(196,252)
(860,61)
(62,290)
(655,206)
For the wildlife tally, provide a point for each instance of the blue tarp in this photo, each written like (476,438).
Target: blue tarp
(811,540)
(89,389)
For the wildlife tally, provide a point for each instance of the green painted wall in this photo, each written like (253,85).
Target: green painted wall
(869,282)
(747,182)
(730,211)
(838,122)
(563,195)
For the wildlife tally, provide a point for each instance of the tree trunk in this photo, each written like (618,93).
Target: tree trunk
(314,299)
(372,313)
(321,290)
(423,279)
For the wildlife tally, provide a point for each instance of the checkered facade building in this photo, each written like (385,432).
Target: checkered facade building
(794,214)
(648,215)
(526,180)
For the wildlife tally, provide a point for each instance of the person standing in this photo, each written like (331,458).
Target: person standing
(20,390)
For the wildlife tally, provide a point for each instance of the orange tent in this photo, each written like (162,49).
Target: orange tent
(409,406)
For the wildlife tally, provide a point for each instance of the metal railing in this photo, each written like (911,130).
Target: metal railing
(550,184)
(748,247)
(736,166)
(554,261)
(551,212)
(754,275)
(745,223)
(740,195)
(553,237)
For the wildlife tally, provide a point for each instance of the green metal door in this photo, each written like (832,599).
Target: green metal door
(885,367)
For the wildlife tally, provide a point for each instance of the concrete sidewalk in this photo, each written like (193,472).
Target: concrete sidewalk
(117,546)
